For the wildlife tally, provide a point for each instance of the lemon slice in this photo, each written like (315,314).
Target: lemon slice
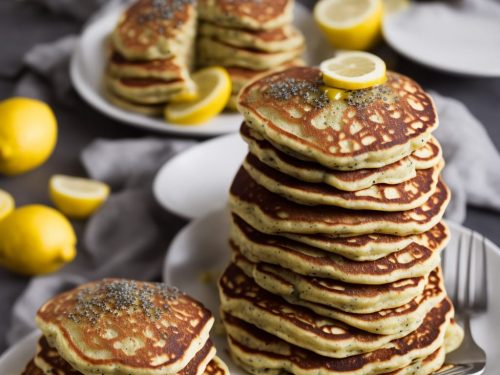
(77,197)
(350,24)
(6,204)
(353,71)
(214,90)
(185,96)
(334,94)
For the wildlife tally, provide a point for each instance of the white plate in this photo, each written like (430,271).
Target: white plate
(456,39)
(88,64)
(201,247)
(197,180)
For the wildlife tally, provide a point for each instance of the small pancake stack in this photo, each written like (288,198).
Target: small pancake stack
(336,231)
(249,38)
(117,326)
(150,54)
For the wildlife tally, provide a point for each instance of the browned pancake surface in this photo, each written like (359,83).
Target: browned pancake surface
(375,120)
(331,219)
(171,319)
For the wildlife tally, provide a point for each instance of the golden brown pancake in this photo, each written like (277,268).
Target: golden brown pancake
(216,367)
(173,68)
(213,52)
(155,110)
(402,170)
(271,213)
(273,40)
(155,29)
(413,261)
(369,129)
(253,15)
(381,197)
(123,326)
(354,298)
(145,90)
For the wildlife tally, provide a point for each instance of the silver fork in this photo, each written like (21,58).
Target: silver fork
(470,297)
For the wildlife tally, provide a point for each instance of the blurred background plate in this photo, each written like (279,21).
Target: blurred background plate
(88,64)
(461,38)
(197,180)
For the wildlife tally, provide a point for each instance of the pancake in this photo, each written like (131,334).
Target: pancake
(271,213)
(371,128)
(284,38)
(354,298)
(156,29)
(424,366)
(249,341)
(170,69)
(385,321)
(402,170)
(155,110)
(244,299)
(50,362)
(413,261)
(388,321)
(32,369)
(122,326)
(253,15)
(370,246)
(212,52)
(381,197)
(146,90)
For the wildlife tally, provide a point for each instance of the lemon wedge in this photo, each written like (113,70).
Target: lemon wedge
(214,90)
(353,71)
(350,24)
(6,204)
(77,197)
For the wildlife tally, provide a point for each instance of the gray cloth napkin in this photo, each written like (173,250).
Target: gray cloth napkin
(129,235)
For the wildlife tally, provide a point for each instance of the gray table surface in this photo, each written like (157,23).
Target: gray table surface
(23,25)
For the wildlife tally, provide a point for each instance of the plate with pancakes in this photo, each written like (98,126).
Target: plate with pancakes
(199,253)
(131,62)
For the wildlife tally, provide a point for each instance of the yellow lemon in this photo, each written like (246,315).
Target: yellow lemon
(353,71)
(214,90)
(334,94)
(350,24)
(36,240)
(6,204)
(28,134)
(185,96)
(77,197)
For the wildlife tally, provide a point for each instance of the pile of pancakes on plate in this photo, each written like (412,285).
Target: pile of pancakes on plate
(151,54)
(118,326)
(337,230)
(249,38)
(157,43)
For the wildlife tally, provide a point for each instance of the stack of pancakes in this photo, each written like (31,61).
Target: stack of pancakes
(249,38)
(336,231)
(150,55)
(117,326)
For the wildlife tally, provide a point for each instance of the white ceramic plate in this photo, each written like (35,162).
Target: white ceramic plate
(197,180)
(88,64)
(202,247)
(461,40)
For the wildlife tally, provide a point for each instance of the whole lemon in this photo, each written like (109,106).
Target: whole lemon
(36,240)
(28,134)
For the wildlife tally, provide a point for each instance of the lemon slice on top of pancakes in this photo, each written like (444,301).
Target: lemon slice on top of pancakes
(353,71)
(214,91)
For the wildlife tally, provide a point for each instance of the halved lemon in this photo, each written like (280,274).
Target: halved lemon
(350,24)
(353,70)
(6,204)
(214,91)
(185,96)
(77,197)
